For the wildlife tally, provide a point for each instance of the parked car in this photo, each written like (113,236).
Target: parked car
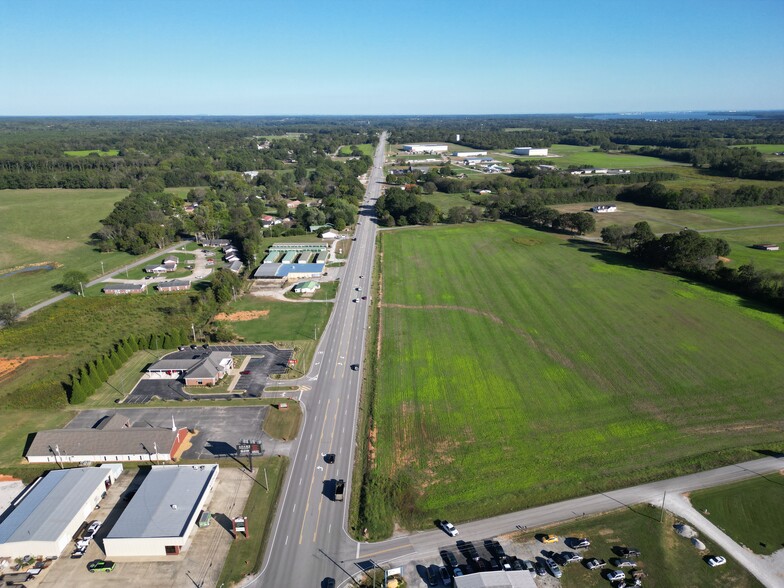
(582,543)
(329,582)
(449,528)
(614,575)
(594,563)
(449,558)
(494,565)
(540,569)
(629,552)
(553,567)
(571,556)
(92,530)
(100,565)
(550,539)
(432,577)
(456,571)
(445,577)
(716,560)
(517,565)
(620,562)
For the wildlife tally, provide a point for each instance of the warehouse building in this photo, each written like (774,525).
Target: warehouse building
(114,439)
(469,153)
(47,516)
(531,151)
(288,271)
(426,148)
(162,514)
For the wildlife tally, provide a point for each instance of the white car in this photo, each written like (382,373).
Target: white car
(449,528)
(716,560)
(92,530)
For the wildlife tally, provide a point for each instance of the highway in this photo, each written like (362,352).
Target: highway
(308,538)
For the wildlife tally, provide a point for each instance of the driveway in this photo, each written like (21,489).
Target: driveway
(762,567)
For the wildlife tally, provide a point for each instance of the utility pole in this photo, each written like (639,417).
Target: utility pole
(193,330)
(266,481)
(661,518)
(13,297)
(81,286)
(102,272)
(126,271)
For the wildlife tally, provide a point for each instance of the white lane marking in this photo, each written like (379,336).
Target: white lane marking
(287,541)
(300,481)
(358,544)
(319,468)
(294,509)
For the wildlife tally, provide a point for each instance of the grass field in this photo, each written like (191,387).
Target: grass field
(138,273)
(585,156)
(30,236)
(444,201)
(750,512)
(283,424)
(668,221)
(764,148)
(246,554)
(365,148)
(667,559)
(17,425)
(518,368)
(86,152)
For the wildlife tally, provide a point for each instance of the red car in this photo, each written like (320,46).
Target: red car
(245,373)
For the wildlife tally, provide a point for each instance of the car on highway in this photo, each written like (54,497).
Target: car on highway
(595,563)
(614,575)
(364,298)
(358,289)
(328,583)
(448,528)
(100,565)
(354,300)
(360,277)
(555,570)
(355,367)
(329,458)
(549,538)
(620,562)
(245,373)
(716,560)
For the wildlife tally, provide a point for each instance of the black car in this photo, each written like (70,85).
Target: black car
(329,458)
(449,558)
(329,583)
(539,568)
(432,576)
(517,565)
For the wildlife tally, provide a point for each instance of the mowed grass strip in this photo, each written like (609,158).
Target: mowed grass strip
(587,157)
(750,512)
(517,369)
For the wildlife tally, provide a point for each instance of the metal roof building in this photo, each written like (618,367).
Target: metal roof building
(47,516)
(498,579)
(291,271)
(163,512)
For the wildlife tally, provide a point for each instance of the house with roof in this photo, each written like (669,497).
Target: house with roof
(268,220)
(173,286)
(235,266)
(766,246)
(205,368)
(308,287)
(293,204)
(158,268)
(214,242)
(604,208)
(118,289)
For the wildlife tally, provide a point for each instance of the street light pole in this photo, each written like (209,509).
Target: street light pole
(102,271)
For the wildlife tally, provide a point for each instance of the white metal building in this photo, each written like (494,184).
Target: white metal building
(426,148)
(45,518)
(530,151)
(498,579)
(162,514)
(469,153)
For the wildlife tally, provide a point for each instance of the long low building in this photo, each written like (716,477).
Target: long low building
(288,271)
(47,516)
(199,369)
(162,514)
(113,440)
(426,148)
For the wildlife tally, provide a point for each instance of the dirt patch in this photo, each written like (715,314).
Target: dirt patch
(7,478)
(725,259)
(8,365)
(372,447)
(242,315)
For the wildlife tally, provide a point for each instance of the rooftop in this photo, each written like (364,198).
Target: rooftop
(105,441)
(281,270)
(51,504)
(165,502)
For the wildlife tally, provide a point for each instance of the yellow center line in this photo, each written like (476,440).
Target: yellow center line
(312,479)
(331,440)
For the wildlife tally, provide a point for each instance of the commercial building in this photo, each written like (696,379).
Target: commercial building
(113,439)
(288,271)
(199,368)
(530,151)
(498,579)
(47,516)
(426,148)
(469,153)
(162,514)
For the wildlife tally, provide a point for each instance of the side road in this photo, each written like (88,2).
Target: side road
(36,307)
(764,568)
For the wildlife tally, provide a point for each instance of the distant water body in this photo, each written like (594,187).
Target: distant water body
(682,115)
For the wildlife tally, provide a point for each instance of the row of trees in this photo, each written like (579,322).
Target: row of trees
(657,194)
(93,374)
(401,207)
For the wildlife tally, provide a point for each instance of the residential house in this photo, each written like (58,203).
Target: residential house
(118,289)
(173,286)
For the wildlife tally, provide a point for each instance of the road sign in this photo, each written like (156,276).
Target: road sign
(248,447)
(293,361)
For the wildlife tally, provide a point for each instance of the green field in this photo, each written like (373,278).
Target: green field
(444,201)
(365,148)
(585,156)
(764,148)
(518,368)
(750,512)
(86,152)
(31,235)
(138,273)
(667,559)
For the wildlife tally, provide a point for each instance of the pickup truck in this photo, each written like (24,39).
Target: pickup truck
(340,486)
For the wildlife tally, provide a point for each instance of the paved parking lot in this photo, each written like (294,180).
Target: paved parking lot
(219,427)
(265,360)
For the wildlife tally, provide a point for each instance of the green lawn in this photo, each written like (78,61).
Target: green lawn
(86,152)
(327,291)
(120,384)
(444,201)
(31,236)
(283,424)
(138,273)
(246,554)
(667,559)
(585,156)
(523,369)
(365,148)
(750,512)
(17,425)
(764,148)
(742,252)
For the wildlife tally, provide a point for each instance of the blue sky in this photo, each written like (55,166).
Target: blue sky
(80,57)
